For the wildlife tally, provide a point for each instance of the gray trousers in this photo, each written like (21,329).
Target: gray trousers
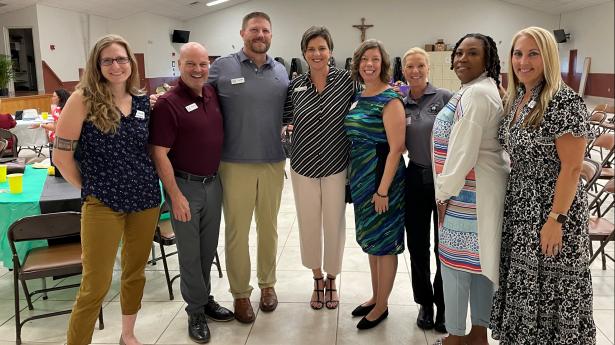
(197,240)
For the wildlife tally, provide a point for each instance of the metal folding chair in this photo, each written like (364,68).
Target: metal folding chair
(164,242)
(60,260)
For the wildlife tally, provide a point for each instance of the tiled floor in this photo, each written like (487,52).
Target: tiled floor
(164,322)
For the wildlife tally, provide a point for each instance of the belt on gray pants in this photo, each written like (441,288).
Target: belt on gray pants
(196,178)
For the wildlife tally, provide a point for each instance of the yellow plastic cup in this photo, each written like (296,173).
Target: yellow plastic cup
(15,183)
(45,115)
(2,173)
(51,171)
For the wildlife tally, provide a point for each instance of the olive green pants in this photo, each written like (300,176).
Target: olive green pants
(101,232)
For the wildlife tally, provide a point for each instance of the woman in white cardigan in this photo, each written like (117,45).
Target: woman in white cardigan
(470,175)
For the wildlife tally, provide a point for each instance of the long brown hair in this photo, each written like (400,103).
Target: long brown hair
(101,110)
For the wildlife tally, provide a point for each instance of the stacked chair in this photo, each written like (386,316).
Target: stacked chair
(598,176)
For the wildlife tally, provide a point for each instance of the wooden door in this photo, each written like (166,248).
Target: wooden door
(141,68)
(572,79)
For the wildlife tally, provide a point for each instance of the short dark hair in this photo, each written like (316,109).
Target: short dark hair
(385,68)
(492,59)
(313,32)
(252,15)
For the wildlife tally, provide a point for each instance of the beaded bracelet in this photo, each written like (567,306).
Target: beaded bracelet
(382,196)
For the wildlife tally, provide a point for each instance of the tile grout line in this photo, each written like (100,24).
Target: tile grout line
(170,322)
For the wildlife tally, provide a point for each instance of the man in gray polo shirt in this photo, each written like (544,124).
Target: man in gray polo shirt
(252,88)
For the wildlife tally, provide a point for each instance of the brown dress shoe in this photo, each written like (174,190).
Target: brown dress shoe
(269,300)
(243,310)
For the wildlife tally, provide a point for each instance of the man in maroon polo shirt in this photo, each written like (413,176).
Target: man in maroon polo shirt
(186,144)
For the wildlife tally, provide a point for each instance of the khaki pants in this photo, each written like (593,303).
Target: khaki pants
(101,232)
(321,207)
(249,188)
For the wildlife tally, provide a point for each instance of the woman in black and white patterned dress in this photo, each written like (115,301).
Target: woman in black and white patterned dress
(545,293)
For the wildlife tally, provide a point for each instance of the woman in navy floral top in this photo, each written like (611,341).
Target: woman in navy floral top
(100,147)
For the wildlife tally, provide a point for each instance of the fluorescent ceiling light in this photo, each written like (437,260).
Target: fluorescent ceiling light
(215,2)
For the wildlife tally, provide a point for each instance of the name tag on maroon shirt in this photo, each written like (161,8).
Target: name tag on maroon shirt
(191,107)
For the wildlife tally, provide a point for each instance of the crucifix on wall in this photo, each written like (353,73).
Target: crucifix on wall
(363,27)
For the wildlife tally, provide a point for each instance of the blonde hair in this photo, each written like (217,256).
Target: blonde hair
(551,74)
(413,51)
(101,110)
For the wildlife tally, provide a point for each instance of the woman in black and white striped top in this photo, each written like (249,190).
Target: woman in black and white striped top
(316,106)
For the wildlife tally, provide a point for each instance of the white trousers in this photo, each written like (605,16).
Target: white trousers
(321,208)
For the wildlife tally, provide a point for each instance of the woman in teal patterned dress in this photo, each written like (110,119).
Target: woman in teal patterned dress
(376,128)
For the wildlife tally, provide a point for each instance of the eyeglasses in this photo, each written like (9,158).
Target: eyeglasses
(122,60)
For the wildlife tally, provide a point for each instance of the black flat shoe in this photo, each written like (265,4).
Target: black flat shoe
(366,324)
(362,310)
(425,318)
(440,326)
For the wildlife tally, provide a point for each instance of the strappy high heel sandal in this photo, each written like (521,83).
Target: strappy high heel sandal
(318,303)
(329,301)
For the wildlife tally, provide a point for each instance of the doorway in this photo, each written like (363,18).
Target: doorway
(22,53)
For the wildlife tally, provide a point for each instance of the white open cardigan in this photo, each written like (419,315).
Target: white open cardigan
(473,143)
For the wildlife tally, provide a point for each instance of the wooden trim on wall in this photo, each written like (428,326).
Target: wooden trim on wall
(53,82)
(598,84)
(10,105)
(50,79)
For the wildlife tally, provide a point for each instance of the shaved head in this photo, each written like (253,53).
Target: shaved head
(191,47)
(194,66)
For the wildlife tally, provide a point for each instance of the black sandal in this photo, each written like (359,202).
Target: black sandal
(330,302)
(318,303)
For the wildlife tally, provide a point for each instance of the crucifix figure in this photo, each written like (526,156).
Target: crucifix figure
(363,27)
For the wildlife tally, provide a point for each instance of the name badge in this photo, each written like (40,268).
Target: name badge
(300,88)
(191,107)
(235,81)
(140,114)
(353,105)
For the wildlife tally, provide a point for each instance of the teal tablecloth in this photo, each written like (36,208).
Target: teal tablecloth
(16,206)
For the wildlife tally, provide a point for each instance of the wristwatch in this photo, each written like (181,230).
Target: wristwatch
(560,218)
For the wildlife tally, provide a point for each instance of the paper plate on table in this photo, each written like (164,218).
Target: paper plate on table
(40,165)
